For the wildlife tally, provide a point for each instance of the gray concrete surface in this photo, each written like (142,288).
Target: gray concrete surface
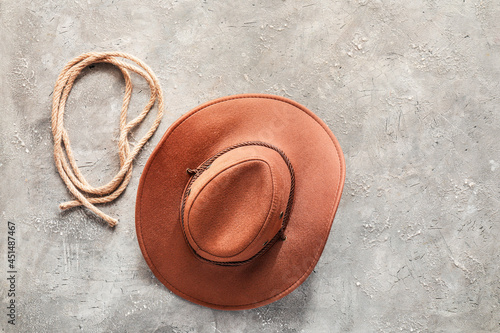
(410,88)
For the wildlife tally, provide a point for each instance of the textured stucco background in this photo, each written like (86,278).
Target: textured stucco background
(410,89)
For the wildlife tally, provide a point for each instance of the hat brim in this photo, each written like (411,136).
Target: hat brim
(317,159)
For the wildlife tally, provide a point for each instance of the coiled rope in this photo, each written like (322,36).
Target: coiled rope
(84,193)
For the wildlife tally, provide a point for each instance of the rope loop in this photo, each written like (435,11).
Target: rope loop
(84,193)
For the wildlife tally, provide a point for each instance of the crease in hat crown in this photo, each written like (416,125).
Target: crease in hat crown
(233,207)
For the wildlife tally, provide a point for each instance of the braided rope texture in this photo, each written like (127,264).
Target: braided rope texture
(84,193)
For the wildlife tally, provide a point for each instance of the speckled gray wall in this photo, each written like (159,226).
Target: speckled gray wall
(410,89)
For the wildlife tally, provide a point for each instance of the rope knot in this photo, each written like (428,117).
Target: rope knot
(192,171)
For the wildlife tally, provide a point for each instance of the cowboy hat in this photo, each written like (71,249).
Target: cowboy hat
(236,202)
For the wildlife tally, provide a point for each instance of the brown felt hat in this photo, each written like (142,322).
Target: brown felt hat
(236,202)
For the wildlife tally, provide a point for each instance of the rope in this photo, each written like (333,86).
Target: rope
(84,193)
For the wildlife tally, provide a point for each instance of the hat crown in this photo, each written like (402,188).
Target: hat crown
(234,205)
